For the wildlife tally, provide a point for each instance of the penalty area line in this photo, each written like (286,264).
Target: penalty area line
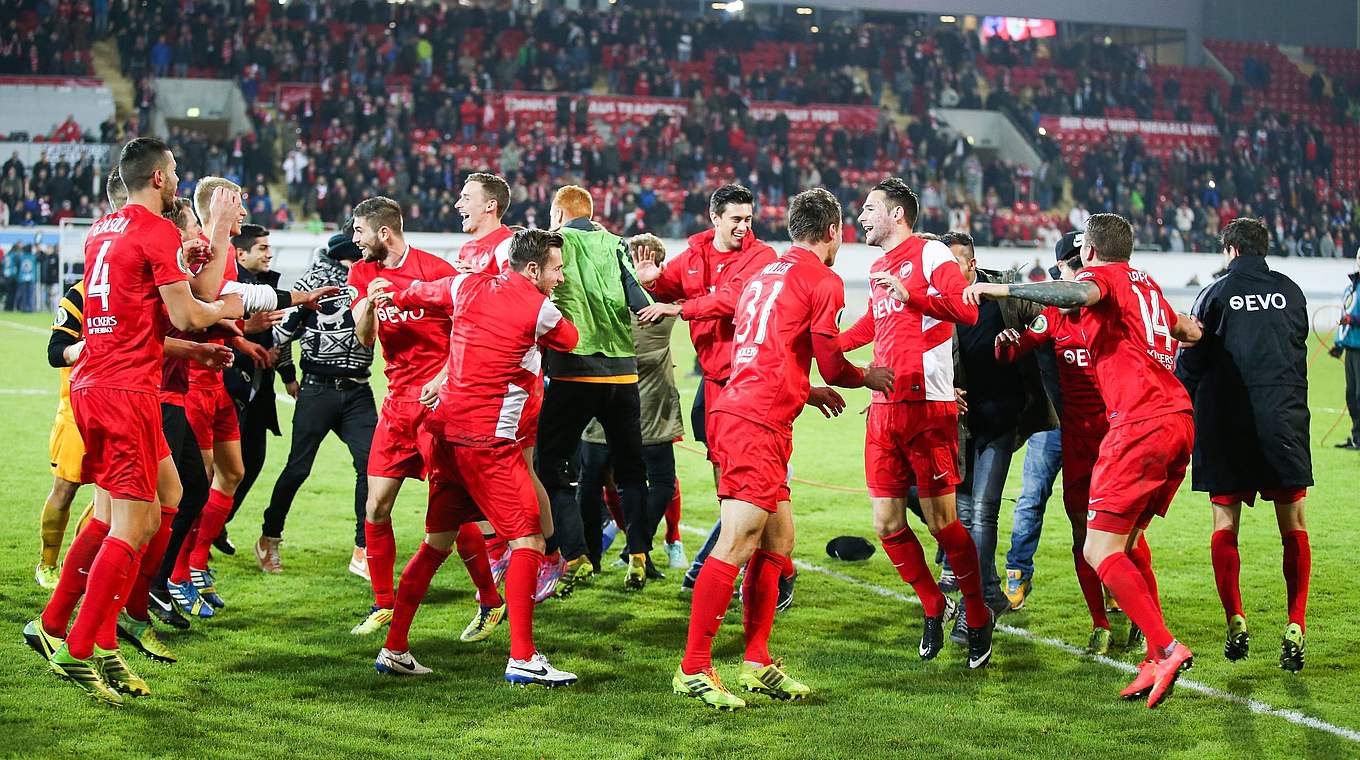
(1254,705)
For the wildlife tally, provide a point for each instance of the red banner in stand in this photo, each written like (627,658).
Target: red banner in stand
(1140,126)
(543,106)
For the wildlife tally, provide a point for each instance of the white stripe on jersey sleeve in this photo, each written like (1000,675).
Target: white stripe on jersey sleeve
(454,286)
(933,255)
(512,409)
(548,317)
(502,253)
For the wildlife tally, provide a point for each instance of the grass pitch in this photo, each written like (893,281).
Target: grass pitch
(278,674)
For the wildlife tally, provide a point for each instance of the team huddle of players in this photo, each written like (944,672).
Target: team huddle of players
(463,343)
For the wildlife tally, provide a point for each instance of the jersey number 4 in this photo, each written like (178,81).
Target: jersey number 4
(1154,318)
(99,277)
(754,307)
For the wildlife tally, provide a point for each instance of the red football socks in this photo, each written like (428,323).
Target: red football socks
(614,503)
(1227,569)
(210,523)
(56,616)
(906,554)
(760,594)
(180,573)
(1090,589)
(107,635)
(472,550)
(1141,556)
(1125,581)
(381,551)
(521,578)
(1298,566)
(712,593)
(962,553)
(415,581)
(150,565)
(673,516)
(108,577)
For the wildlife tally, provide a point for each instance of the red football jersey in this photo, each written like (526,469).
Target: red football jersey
(709,282)
(415,342)
(128,255)
(199,375)
(780,309)
(1129,335)
(493,390)
(489,253)
(915,338)
(1083,410)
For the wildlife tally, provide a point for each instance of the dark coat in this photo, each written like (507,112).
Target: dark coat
(251,387)
(1248,379)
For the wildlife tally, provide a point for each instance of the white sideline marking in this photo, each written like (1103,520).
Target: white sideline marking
(1255,705)
(26,328)
(27,392)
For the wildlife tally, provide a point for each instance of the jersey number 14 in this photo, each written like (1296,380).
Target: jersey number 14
(1154,318)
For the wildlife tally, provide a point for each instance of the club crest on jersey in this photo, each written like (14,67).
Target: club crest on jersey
(905,271)
(60,318)
(352,292)
(179,260)
(1039,325)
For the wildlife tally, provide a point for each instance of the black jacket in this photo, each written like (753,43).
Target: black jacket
(249,386)
(1248,379)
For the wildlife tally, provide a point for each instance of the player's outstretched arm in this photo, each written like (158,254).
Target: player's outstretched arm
(861,333)
(188,313)
(1061,293)
(1187,330)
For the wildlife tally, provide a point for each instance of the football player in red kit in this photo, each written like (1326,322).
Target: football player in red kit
(1131,334)
(132,266)
(1083,426)
(786,315)
(415,346)
(473,439)
(483,201)
(912,435)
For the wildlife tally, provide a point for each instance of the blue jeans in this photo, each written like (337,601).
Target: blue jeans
(704,551)
(979,504)
(1043,459)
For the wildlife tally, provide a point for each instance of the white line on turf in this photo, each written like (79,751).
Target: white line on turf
(1255,705)
(25,328)
(27,392)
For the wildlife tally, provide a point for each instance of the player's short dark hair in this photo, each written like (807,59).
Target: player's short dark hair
(250,233)
(380,212)
(115,190)
(180,212)
(729,194)
(960,239)
(1249,236)
(899,195)
(1111,235)
(495,187)
(140,159)
(811,214)
(533,246)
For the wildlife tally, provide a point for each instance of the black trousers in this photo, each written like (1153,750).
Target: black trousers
(322,409)
(1352,360)
(193,479)
(567,408)
(253,419)
(659,462)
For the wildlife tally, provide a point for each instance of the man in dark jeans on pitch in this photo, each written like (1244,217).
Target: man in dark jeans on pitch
(1006,404)
(597,380)
(334,396)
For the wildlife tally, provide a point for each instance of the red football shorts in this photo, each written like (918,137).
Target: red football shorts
(913,443)
(124,443)
(395,452)
(1079,453)
(1141,464)
(712,389)
(211,414)
(471,483)
(753,460)
(1277,495)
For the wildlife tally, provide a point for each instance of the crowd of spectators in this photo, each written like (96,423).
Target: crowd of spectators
(403,104)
